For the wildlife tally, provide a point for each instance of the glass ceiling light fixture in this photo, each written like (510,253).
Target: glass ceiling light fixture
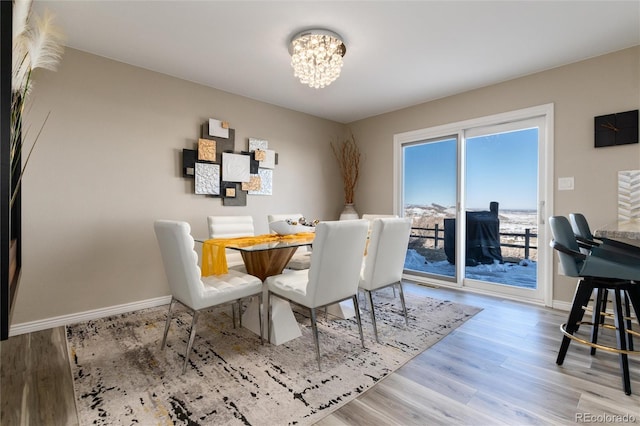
(316,57)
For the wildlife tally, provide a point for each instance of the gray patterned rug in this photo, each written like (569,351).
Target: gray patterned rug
(121,376)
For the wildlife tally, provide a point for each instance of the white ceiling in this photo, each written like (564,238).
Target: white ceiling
(399,53)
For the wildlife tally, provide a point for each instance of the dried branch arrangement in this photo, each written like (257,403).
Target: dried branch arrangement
(348,155)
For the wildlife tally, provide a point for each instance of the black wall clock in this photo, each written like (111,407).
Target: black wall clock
(616,129)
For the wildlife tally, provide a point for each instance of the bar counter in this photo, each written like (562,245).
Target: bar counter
(627,231)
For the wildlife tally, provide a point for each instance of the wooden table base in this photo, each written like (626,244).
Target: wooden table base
(265,263)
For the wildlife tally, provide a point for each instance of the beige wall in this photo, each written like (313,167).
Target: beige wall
(108,163)
(580,91)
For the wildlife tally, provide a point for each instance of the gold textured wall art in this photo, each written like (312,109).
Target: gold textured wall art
(254,184)
(219,171)
(206,150)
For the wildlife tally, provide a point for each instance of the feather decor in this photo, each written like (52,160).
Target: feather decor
(44,43)
(37,43)
(21,10)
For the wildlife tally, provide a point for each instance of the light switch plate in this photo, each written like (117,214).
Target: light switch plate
(565,183)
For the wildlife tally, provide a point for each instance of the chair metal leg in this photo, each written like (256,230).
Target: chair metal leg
(268,308)
(168,322)
(260,307)
(356,307)
(192,336)
(314,327)
(373,315)
(404,306)
(622,341)
(233,314)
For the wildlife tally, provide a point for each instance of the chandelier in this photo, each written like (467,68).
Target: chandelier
(316,57)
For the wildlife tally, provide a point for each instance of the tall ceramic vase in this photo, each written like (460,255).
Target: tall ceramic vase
(349,212)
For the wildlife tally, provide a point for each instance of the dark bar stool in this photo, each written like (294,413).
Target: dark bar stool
(587,241)
(606,273)
(583,234)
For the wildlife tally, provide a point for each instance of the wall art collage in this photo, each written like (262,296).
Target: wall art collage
(218,171)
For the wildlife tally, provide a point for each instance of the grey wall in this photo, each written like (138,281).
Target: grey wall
(579,92)
(108,164)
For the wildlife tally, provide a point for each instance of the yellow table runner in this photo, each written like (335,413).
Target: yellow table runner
(214,259)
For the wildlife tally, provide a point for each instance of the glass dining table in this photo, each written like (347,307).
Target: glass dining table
(262,260)
(270,258)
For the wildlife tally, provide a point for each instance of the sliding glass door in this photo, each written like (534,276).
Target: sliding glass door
(477,193)
(430,176)
(501,206)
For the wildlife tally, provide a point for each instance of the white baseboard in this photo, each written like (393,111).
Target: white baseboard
(555,304)
(44,324)
(561,305)
(28,327)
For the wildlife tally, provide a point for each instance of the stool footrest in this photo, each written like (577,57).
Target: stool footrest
(563,329)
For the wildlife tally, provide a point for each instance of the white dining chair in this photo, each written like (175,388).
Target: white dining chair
(371,217)
(301,259)
(333,276)
(231,227)
(384,263)
(189,288)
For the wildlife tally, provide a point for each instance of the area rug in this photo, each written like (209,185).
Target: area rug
(122,377)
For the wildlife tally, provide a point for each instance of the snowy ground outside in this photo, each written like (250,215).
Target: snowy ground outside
(522,274)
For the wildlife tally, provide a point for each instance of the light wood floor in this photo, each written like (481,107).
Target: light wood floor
(497,368)
(36,386)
